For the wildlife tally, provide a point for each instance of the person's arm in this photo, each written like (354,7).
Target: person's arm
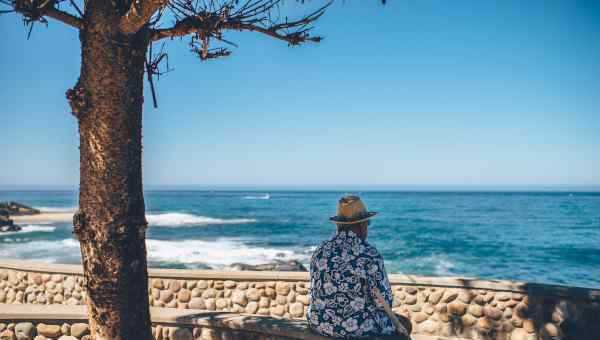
(378,280)
(381,291)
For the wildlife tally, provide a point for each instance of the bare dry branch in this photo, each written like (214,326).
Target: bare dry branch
(205,23)
(36,10)
(139,14)
(64,17)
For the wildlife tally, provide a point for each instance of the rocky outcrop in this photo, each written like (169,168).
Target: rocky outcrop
(278,265)
(17,209)
(6,224)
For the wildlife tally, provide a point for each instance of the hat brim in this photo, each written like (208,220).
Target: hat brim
(345,220)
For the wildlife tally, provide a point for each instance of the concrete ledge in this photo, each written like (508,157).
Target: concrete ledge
(275,328)
(575,293)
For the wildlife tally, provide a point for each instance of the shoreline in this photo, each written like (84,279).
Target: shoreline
(47,217)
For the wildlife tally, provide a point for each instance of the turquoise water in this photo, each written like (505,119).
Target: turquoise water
(530,236)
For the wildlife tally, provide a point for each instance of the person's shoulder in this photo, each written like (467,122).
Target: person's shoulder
(371,252)
(321,248)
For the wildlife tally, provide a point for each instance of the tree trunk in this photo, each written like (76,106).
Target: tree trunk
(110,223)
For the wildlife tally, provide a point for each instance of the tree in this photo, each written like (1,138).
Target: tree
(116,51)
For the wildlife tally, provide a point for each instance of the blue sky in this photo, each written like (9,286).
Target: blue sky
(414,93)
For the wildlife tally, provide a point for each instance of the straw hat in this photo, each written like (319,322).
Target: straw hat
(350,210)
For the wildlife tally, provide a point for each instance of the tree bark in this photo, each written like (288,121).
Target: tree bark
(110,224)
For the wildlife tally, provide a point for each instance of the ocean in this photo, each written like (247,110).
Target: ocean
(542,237)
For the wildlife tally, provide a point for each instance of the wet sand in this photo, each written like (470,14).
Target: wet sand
(44,217)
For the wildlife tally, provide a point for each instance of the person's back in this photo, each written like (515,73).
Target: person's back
(345,272)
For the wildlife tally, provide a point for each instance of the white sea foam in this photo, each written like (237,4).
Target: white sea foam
(262,197)
(182,219)
(29,229)
(63,251)
(56,209)
(219,253)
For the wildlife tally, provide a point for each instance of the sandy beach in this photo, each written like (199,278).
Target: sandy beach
(45,217)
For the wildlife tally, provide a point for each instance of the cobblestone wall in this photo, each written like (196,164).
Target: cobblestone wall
(80,331)
(524,312)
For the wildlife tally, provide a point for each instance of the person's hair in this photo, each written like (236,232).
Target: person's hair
(358,228)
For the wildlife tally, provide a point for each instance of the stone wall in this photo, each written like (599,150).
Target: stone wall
(52,322)
(469,308)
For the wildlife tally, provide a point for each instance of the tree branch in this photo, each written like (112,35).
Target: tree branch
(64,17)
(139,14)
(36,11)
(212,24)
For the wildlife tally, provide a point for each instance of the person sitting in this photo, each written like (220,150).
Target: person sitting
(350,295)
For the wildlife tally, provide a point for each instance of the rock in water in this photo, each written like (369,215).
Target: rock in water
(278,265)
(17,209)
(5,220)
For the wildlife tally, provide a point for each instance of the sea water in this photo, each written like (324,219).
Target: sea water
(544,237)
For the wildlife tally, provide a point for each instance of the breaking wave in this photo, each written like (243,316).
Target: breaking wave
(219,253)
(29,229)
(183,219)
(56,209)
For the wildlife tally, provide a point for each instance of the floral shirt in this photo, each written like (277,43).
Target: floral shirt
(343,273)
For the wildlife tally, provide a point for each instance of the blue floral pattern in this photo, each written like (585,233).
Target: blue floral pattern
(344,271)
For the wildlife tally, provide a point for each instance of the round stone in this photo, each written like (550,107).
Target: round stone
(24,330)
(411,290)
(484,323)
(242,285)
(503,296)
(270,292)
(69,283)
(79,329)
(49,331)
(166,296)
(158,284)
(475,310)
(278,310)
(190,284)
(419,317)
(180,333)
(229,284)
(251,307)
(304,299)
(174,286)
(209,293)
(239,297)
(492,313)
(457,308)
(65,328)
(281,300)
(210,304)
(296,309)
(521,334)
(184,295)
(264,302)
(435,297)
(410,299)
(197,303)
(466,296)
(253,294)
(282,288)
(468,320)
(223,303)
(449,295)
(7,335)
(428,327)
